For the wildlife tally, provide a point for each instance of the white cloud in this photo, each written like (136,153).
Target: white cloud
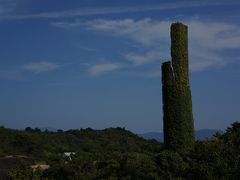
(145,31)
(214,35)
(40,67)
(98,69)
(149,57)
(207,39)
(201,59)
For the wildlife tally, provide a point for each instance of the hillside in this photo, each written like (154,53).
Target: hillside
(88,144)
(37,144)
(115,153)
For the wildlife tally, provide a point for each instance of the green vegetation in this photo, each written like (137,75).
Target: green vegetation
(115,153)
(177,100)
(42,145)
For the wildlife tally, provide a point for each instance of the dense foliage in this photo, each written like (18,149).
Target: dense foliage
(177,100)
(118,154)
(42,145)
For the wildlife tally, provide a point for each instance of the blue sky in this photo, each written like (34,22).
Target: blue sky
(90,63)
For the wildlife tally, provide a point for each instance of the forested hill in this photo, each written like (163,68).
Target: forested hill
(37,144)
(114,153)
(97,152)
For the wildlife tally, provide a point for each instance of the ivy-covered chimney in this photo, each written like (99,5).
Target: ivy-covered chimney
(177,101)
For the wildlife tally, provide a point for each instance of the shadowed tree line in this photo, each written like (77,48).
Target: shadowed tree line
(119,154)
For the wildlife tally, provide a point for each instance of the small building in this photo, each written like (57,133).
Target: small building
(68,155)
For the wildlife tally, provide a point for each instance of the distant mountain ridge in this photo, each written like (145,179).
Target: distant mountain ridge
(199,134)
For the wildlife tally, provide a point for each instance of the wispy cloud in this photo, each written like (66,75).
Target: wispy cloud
(208,40)
(202,58)
(144,31)
(214,35)
(116,10)
(40,67)
(99,69)
(149,57)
